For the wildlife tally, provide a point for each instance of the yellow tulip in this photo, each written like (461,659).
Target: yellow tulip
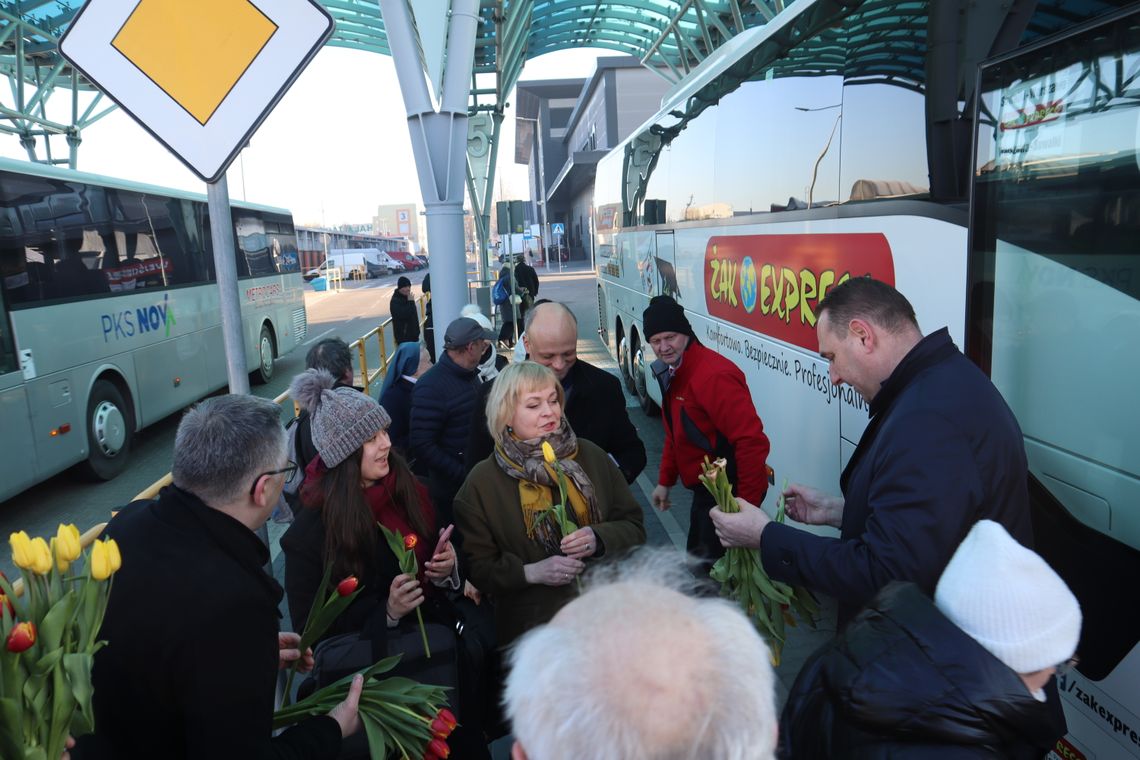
(113,555)
(21,550)
(548,453)
(65,546)
(100,561)
(41,557)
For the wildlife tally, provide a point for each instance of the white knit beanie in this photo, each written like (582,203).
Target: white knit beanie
(1009,600)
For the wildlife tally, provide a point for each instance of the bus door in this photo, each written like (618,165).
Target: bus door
(18,461)
(1054,306)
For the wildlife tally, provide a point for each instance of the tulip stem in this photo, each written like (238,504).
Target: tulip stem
(423,632)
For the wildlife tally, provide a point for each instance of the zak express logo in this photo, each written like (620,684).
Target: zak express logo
(773,283)
(144,319)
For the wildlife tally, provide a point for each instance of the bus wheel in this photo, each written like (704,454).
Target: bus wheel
(648,405)
(266,352)
(624,362)
(110,422)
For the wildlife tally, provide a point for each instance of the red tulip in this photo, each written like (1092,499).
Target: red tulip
(22,637)
(410,542)
(439,748)
(447,717)
(440,728)
(347,586)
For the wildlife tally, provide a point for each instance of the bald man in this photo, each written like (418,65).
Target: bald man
(595,404)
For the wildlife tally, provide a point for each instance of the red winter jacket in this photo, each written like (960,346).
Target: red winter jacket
(713,394)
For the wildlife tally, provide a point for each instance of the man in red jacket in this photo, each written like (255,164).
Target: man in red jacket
(707,411)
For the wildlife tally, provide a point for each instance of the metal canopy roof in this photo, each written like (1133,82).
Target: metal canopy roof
(670,36)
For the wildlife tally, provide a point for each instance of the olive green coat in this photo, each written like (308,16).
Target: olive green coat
(488,514)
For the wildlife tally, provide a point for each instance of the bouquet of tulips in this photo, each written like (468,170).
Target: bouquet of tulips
(741,575)
(49,623)
(399,715)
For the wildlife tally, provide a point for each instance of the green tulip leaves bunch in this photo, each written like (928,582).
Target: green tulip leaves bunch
(49,636)
(399,715)
(741,575)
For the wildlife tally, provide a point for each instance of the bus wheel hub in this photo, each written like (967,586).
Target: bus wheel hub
(110,431)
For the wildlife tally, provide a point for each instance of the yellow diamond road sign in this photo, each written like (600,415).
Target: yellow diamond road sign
(202,75)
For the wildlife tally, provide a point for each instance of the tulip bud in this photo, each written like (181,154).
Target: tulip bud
(113,555)
(448,718)
(21,550)
(411,540)
(60,562)
(548,453)
(347,586)
(22,637)
(67,544)
(100,561)
(440,729)
(439,748)
(41,557)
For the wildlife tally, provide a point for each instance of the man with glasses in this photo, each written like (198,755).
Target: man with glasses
(443,403)
(193,649)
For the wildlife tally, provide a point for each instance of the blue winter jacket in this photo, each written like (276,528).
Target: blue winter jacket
(442,404)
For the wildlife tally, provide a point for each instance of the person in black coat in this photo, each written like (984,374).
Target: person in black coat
(408,365)
(443,403)
(193,650)
(942,451)
(959,677)
(595,404)
(405,316)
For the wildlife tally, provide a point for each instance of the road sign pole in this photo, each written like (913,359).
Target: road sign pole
(225,267)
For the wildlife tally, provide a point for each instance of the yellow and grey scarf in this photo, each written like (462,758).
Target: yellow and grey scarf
(538,483)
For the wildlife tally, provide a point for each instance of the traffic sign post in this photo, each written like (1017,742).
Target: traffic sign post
(200,76)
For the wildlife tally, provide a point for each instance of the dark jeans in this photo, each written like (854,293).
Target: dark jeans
(702,541)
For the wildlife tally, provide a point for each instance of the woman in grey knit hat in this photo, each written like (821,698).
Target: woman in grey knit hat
(356,481)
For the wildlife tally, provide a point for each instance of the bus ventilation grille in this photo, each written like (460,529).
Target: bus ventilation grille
(300,325)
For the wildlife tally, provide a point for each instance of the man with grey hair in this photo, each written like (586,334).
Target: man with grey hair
(193,649)
(638,666)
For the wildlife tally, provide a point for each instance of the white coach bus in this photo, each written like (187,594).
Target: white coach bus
(109,313)
(994,179)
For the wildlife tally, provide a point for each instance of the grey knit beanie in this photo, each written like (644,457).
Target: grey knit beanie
(342,418)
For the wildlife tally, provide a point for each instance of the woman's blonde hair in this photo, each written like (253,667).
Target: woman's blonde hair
(514,381)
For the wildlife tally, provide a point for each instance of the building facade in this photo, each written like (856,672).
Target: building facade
(578,121)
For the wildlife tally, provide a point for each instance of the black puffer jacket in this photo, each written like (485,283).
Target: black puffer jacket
(442,404)
(405,318)
(902,681)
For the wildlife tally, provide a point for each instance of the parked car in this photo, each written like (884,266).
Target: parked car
(410,262)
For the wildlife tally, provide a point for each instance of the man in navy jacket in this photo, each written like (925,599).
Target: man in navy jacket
(442,406)
(942,451)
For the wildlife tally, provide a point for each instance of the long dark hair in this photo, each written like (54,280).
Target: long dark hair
(351,535)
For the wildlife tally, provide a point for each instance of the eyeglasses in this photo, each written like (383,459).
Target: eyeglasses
(289,469)
(1067,665)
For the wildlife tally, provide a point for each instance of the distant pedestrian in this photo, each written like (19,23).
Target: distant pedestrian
(408,365)
(639,667)
(522,296)
(405,316)
(942,450)
(708,412)
(442,404)
(193,650)
(959,677)
(429,321)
